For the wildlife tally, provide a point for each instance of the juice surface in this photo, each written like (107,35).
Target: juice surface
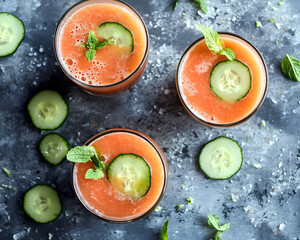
(100,196)
(194,86)
(111,63)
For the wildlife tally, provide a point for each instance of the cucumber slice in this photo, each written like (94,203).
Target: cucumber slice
(12,32)
(130,174)
(42,203)
(221,158)
(116,32)
(230,80)
(54,148)
(47,110)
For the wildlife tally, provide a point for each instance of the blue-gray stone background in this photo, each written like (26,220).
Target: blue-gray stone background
(267,198)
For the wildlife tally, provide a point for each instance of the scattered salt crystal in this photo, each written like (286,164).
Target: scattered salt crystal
(166,91)
(41,50)
(280,164)
(281,226)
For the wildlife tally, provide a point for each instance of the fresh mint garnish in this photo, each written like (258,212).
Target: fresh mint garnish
(83,154)
(93,45)
(214,42)
(202,5)
(164,231)
(6,171)
(93,174)
(281,2)
(290,66)
(90,54)
(228,53)
(214,222)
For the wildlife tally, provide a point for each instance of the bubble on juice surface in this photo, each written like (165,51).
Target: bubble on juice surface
(203,67)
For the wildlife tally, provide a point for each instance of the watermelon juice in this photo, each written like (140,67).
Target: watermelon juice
(193,82)
(100,197)
(113,69)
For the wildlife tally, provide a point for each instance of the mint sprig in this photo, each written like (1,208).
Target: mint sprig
(290,66)
(202,5)
(92,46)
(214,222)
(83,154)
(214,42)
(164,231)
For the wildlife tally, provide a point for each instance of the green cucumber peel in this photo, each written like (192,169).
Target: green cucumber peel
(214,42)
(83,154)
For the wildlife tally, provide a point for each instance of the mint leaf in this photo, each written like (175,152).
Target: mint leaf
(214,42)
(84,154)
(94,174)
(213,221)
(164,231)
(6,171)
(90,54)
(175,4)
(290,66)
(81,154)
(212,38)
(218,235)
(224,227)
(103,44)
(97,163)
(202,5)
(91,41)
(228,53)
(281,2)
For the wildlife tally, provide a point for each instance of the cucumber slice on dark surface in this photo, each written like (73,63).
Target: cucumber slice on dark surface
(221,158)
(113,31)
(130,174)
(42,203)
(230,80)
(47,110)
(54,148)
(12,32)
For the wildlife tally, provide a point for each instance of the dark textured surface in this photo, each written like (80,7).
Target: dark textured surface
(267,205)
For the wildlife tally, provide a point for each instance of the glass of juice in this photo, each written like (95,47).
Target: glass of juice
(102,198)
(114,67)
(194,88)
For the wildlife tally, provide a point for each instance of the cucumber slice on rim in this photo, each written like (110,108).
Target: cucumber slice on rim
(54,148)
(12,32)
(221,158)
(130,174)
(47,110)
(230,80)
(114,31)
(42,203)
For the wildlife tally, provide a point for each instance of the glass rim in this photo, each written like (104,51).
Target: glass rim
(161,156)
(235,123)
(85,85)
